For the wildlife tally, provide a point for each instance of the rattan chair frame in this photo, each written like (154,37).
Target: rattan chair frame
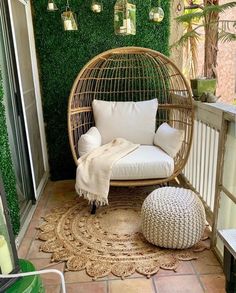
(131,74)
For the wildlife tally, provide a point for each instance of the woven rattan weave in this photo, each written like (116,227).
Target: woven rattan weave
(132,74)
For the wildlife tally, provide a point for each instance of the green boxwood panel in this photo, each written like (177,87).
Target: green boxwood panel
(6,168)
(61,56)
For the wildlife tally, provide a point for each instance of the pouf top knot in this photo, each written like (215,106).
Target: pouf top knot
(173,217)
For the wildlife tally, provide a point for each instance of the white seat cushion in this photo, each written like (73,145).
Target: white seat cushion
(134,121)
(146,162)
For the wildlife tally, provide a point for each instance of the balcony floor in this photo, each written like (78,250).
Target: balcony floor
(202,275)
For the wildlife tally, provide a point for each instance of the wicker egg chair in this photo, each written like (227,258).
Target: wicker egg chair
(133,74)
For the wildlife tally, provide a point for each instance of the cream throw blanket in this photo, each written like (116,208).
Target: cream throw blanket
(94,169)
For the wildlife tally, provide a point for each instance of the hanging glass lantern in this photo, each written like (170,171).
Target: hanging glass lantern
(156,14)
(124,18)
(9,262)
(51,6)
(69,19)
(96,6)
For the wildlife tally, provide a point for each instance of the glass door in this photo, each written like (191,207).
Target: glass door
(29,90)
(14,117)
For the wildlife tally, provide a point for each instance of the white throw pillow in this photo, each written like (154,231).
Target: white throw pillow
(169,139)
(89,141)
(134,121)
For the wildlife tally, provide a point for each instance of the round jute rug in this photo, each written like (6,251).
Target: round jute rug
(109,241)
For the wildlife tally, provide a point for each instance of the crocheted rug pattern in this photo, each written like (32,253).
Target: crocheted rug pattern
(110,241)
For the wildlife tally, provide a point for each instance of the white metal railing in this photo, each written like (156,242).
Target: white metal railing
(201,169)
(211,167)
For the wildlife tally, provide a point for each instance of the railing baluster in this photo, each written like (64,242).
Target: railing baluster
(199,156)
(210,189)
(194,155)
(200,170)
(216,146)
(203,129)
(205,182)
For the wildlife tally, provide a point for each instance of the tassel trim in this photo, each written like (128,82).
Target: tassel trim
(99,200)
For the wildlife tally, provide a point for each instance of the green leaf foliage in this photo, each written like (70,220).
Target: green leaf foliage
(202,12)
(226,37)
(62,55)
(198,19)
(187,36)
(190,17)
(6,168)
(218,8)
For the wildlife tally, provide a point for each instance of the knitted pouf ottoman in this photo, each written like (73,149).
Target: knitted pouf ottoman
(173,218)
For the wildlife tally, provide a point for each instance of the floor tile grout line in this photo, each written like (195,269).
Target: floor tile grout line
(136,277)
(46,203)
(42,208)
(198,278)
(210,274)
(173,275)
(195,273)
(34,237)
(154,284)
(47,194)
(88,282)
(27,254)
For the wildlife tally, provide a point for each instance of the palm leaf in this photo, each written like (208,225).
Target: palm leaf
(208,9)
(189,17)
(226,37)
(226,33)
(186,37)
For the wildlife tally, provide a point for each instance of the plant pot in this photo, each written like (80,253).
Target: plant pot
(29,284)
(199,86)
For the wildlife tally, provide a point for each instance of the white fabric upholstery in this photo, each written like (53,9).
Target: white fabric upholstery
(145,162)
(89,141)
(169,139)
(134,121)
(94,169)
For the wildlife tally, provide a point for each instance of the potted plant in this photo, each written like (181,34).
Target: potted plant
(204,19)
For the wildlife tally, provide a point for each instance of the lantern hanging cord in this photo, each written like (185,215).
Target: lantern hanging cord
(38,273)
(67,5)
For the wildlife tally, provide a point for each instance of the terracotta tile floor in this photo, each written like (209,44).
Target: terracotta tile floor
(202,275)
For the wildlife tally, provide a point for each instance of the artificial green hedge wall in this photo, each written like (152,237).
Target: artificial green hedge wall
(6,168)
(62,54)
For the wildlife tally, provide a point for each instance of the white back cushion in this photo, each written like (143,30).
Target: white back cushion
(169,139)
(134,121)
(89,141)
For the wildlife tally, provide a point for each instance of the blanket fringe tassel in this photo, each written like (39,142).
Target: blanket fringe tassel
(91,197)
